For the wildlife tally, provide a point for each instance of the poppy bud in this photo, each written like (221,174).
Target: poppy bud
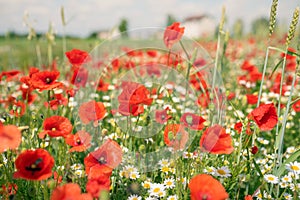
(254,150)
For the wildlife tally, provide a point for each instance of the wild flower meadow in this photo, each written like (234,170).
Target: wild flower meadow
(168,118)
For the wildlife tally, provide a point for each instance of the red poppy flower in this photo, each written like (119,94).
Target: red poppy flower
(45,80)
(91,111)
(98,185)
(238,127)
(102,86)
(289,56)
(10,137)
(9,74)
(34,165)
(247,66)
(19,109)
(79,142)
(58,100)
(192,121)
(161,116)
(198,81)
(248,197)
(77,57)
(129,64)
(132,98)
(296,106)
(265,116)
(115,64)
(70,191)
(132,52)
(152,53)
(56,126)
(175,136)
(27,94)
(204,186)
(106,158)
(231,96)
(255,75)
(80,77)
(215,140)
(173,34)
(252,99)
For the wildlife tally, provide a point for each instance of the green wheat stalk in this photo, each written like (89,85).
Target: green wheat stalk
(273,14)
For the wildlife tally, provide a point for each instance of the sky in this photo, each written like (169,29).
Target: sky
(86,16)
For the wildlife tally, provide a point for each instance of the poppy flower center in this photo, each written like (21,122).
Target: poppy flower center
(53,129)
(34,166)
(204,197)
(78,79)
(78,141)
(189,119)
(103,159)
(48,80)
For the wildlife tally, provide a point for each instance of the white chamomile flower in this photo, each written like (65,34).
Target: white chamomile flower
(262,161)
(172,197)
(286,179)
(287,196)
(267,196)
(146,184)
(291,150)
(294,187)
(283,184)
(293,175)
(134,175)
(76,166)
(164,162)
(223,172)
(182,180)
(263,141)
(157,189)
(210,170)
(134,197)
(293,167)
(271,178)
(187,155)
(169,183)
(258,195)
(79,173)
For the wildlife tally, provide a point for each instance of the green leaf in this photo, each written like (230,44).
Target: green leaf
(292,53)
(292,158)
(257,168)
(275,68)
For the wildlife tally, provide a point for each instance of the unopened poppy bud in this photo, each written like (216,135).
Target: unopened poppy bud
(254,150)
(51,184)
(142,148)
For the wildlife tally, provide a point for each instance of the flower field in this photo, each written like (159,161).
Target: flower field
(166,118)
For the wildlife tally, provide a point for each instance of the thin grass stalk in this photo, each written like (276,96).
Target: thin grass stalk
(280,89)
